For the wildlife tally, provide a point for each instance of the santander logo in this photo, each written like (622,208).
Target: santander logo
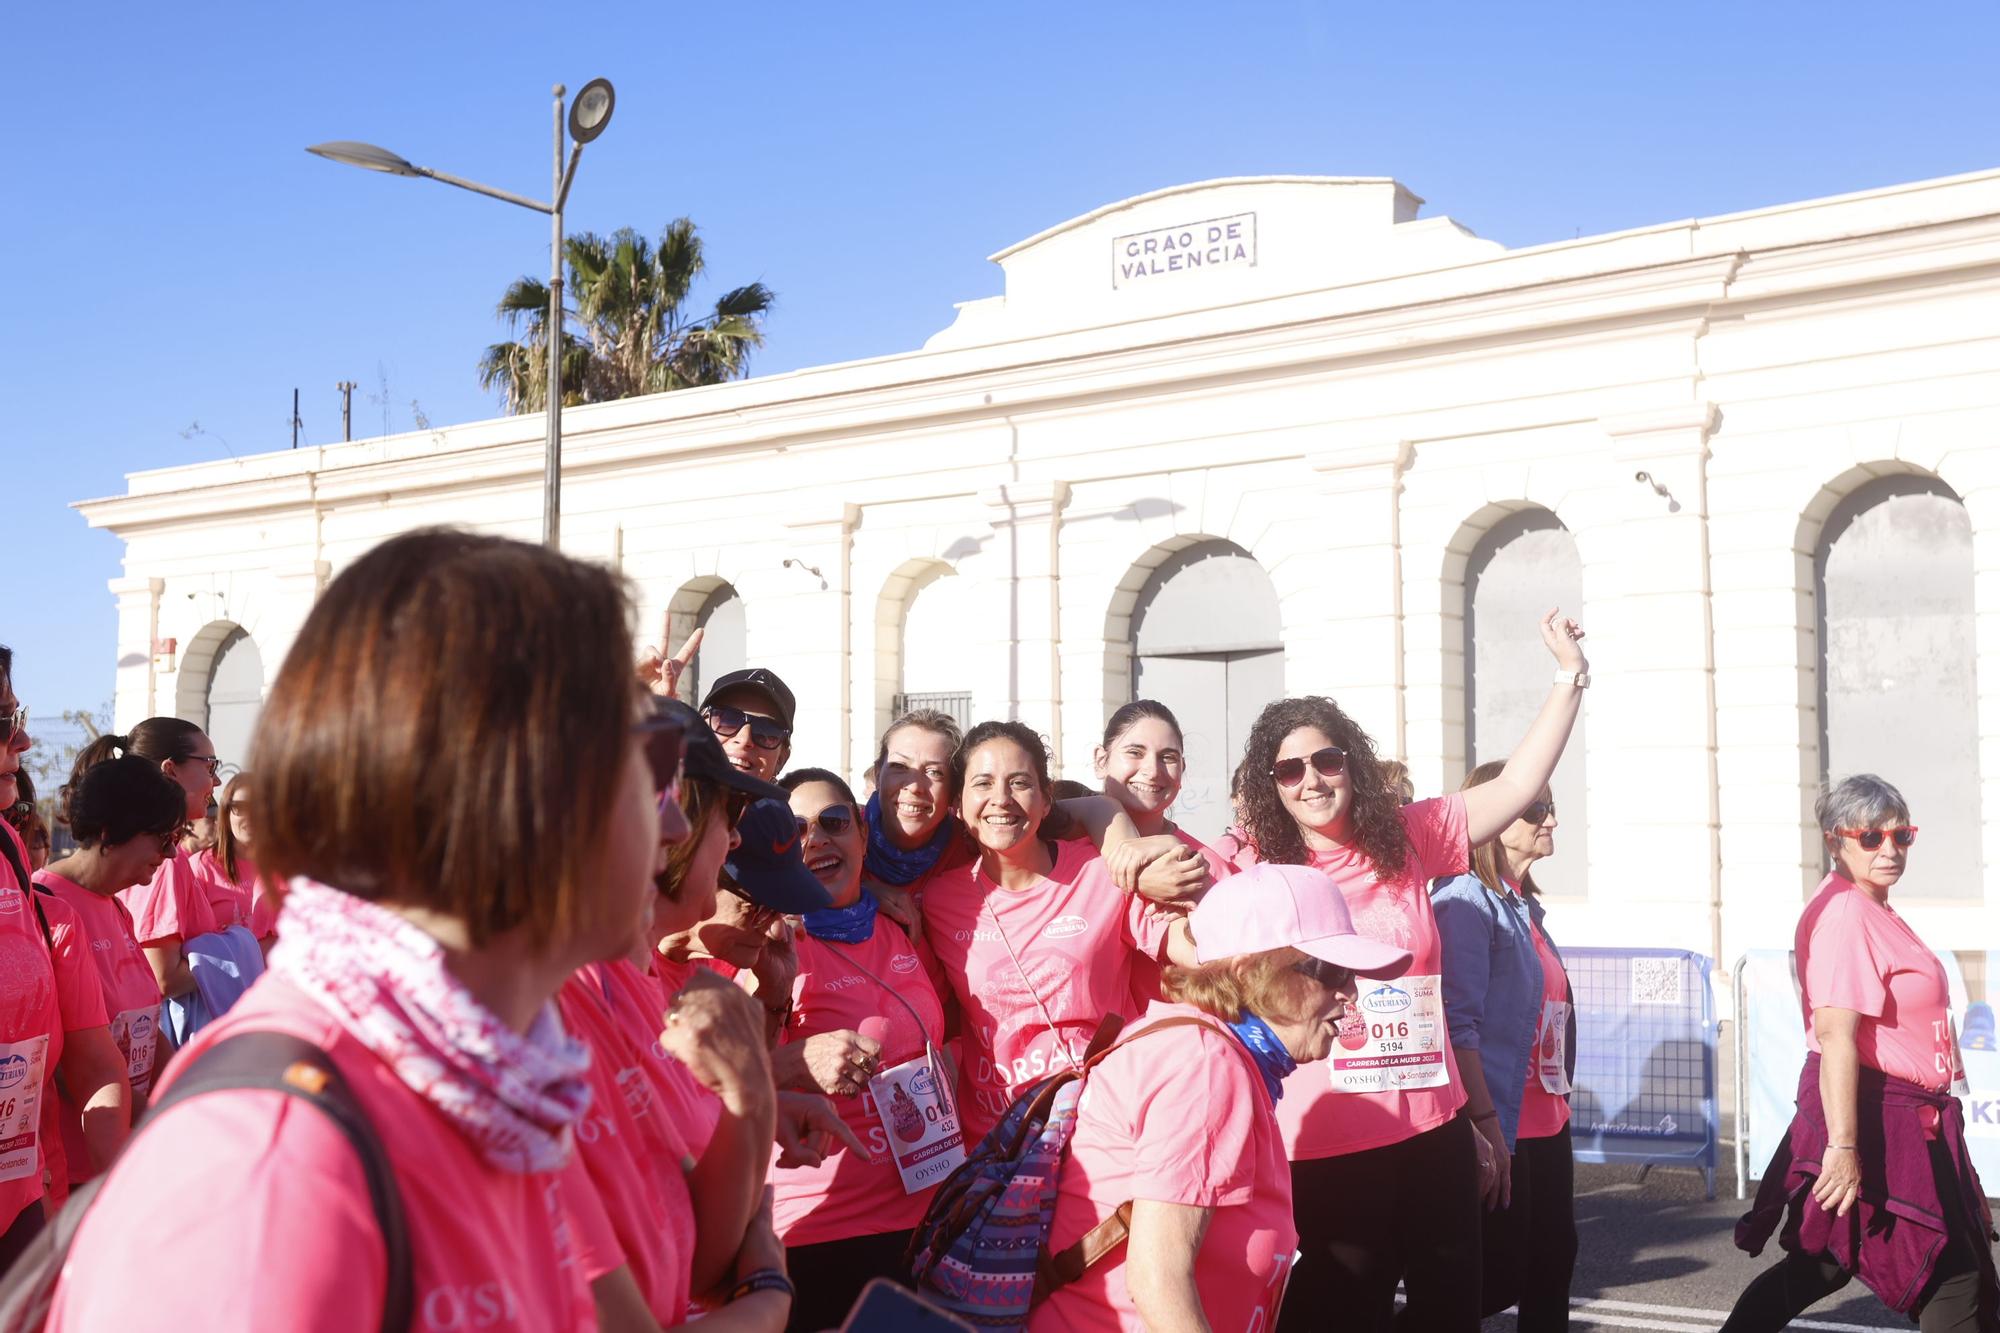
(1064,928)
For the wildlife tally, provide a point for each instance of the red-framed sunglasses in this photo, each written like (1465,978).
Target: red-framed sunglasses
(1871,838)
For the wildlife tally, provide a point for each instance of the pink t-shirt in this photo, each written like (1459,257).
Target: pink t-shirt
(239,901)
(173,905)
(289,1205)
(1181,1117)
(841,987)
(47,988)
(633,1155)
(1544,1113)
(1075,935)
(131,999)
(1855,953)
(1319,1122)
(698,1109)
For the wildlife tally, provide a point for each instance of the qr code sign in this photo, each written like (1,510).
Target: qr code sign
(1656,981)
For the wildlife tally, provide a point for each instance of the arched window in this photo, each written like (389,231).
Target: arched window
(1525,564)
(723,648)
(235,698)
(1897,690)
(1205,642)
(938,636)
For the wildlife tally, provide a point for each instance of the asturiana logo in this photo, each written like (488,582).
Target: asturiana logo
(903,962)
(13,1069)
(1385,1000)
(1065,927)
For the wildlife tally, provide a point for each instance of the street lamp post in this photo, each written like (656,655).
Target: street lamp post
(588,116)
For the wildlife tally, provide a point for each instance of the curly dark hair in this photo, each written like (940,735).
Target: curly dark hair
(1376,807)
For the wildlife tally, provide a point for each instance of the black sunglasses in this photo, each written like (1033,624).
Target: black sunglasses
(1329,761)
(213,761)
(665,740)
(1538,812)
(1330,975)
(764,733)
(735,805)
(13,722)
(834,821)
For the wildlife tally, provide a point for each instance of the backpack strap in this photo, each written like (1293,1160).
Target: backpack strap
(31,889)
(280,1062)
(1059,1270)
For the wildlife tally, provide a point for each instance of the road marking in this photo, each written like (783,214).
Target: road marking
(1621,1314)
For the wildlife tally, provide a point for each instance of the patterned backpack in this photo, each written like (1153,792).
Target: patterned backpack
(981,1252)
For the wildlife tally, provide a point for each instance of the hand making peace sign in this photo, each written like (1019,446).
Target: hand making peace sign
(660,673)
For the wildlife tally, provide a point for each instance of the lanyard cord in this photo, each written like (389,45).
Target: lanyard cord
(1054,1031)
(915,1017)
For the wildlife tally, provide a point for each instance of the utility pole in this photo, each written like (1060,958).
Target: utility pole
(296,423)
(347,388)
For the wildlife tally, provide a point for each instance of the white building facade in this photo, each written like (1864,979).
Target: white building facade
(1281,435)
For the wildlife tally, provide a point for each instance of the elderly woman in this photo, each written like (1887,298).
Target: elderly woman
(1507,1001)
(1878,1133)
(1177,1133)
(450,784)
(869,1019)
(1381,1120)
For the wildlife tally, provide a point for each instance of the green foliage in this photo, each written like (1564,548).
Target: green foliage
(626,327)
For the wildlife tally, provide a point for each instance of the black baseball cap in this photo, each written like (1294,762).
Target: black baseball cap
(764,681)
(769,864)
(705,757)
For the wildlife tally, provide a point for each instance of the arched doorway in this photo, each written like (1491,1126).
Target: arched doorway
(711,605)
(938,627)
(1205,642)
(235,697)
(1523,565)
(1898,695)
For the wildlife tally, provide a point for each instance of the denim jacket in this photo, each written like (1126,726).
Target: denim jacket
(1493,985)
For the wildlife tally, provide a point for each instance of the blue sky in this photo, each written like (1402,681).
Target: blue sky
(186,264)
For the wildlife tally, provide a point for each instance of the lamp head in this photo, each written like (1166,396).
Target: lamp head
(365,155)
(591,111)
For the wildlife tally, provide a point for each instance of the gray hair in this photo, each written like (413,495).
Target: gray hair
(1862,801)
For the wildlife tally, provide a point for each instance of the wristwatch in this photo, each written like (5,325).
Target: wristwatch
(1580,679)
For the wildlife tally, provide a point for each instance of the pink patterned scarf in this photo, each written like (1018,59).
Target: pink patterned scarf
(385,981)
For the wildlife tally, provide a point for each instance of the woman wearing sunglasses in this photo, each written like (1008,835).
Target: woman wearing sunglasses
(1380,1120)
(1878,1133)
(125,817)
(172,916)
(1508,1004)
(450,786)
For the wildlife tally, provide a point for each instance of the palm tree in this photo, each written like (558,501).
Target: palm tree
(634,333)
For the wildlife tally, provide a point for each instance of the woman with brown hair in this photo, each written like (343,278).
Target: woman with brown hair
(452,788)
(228,870)
(1381,1120)
(1513,1028)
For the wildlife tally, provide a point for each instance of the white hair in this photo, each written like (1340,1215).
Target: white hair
(1862,801)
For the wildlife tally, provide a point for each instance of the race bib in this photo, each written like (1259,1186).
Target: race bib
(913,1102)
(137,1032)
(1551,1048)
(1393,1040)
(21,1070)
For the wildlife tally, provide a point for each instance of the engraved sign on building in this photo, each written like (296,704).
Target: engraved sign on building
(1147,257)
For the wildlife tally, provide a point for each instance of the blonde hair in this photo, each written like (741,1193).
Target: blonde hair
(1267,984)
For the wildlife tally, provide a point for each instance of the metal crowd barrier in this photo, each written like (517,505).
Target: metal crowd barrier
(1644,1090)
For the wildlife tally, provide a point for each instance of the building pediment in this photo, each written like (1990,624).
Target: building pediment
(1213,243)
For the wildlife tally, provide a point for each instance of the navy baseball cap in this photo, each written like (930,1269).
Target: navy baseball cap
(768,864)
(760,680)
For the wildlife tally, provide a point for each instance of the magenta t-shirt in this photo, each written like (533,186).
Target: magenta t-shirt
(1074,934)
(633,1153)
(1855,953)
(240,901)
(1544,1113)
(288,1203)
(173,905)
(1179,1117)
(1319,1121)
(841,987)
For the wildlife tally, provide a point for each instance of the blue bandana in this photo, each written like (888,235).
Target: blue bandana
(1274,1062)
(843,925)
(895,865)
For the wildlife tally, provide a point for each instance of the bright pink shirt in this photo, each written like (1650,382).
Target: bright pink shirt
(1318,1121)
(841,987)
(633,1154)
(289,1204)
(239,901)
(173,905)
(1855,953)
(1544,1113)
(1075,934)
(131,999)
(47,988)
(1180,1117)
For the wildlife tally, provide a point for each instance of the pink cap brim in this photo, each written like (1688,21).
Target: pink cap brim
(1359,954)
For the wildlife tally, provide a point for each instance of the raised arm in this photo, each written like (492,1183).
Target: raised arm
(1492,806)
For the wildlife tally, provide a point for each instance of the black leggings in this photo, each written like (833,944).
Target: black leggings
(23,1229)
(1950,1303)
(830,1275)
(1531,1243)
(1406,1210)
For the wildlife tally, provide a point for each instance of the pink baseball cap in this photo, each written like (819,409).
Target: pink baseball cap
(1278,906)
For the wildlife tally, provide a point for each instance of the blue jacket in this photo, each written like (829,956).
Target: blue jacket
(1493,985)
